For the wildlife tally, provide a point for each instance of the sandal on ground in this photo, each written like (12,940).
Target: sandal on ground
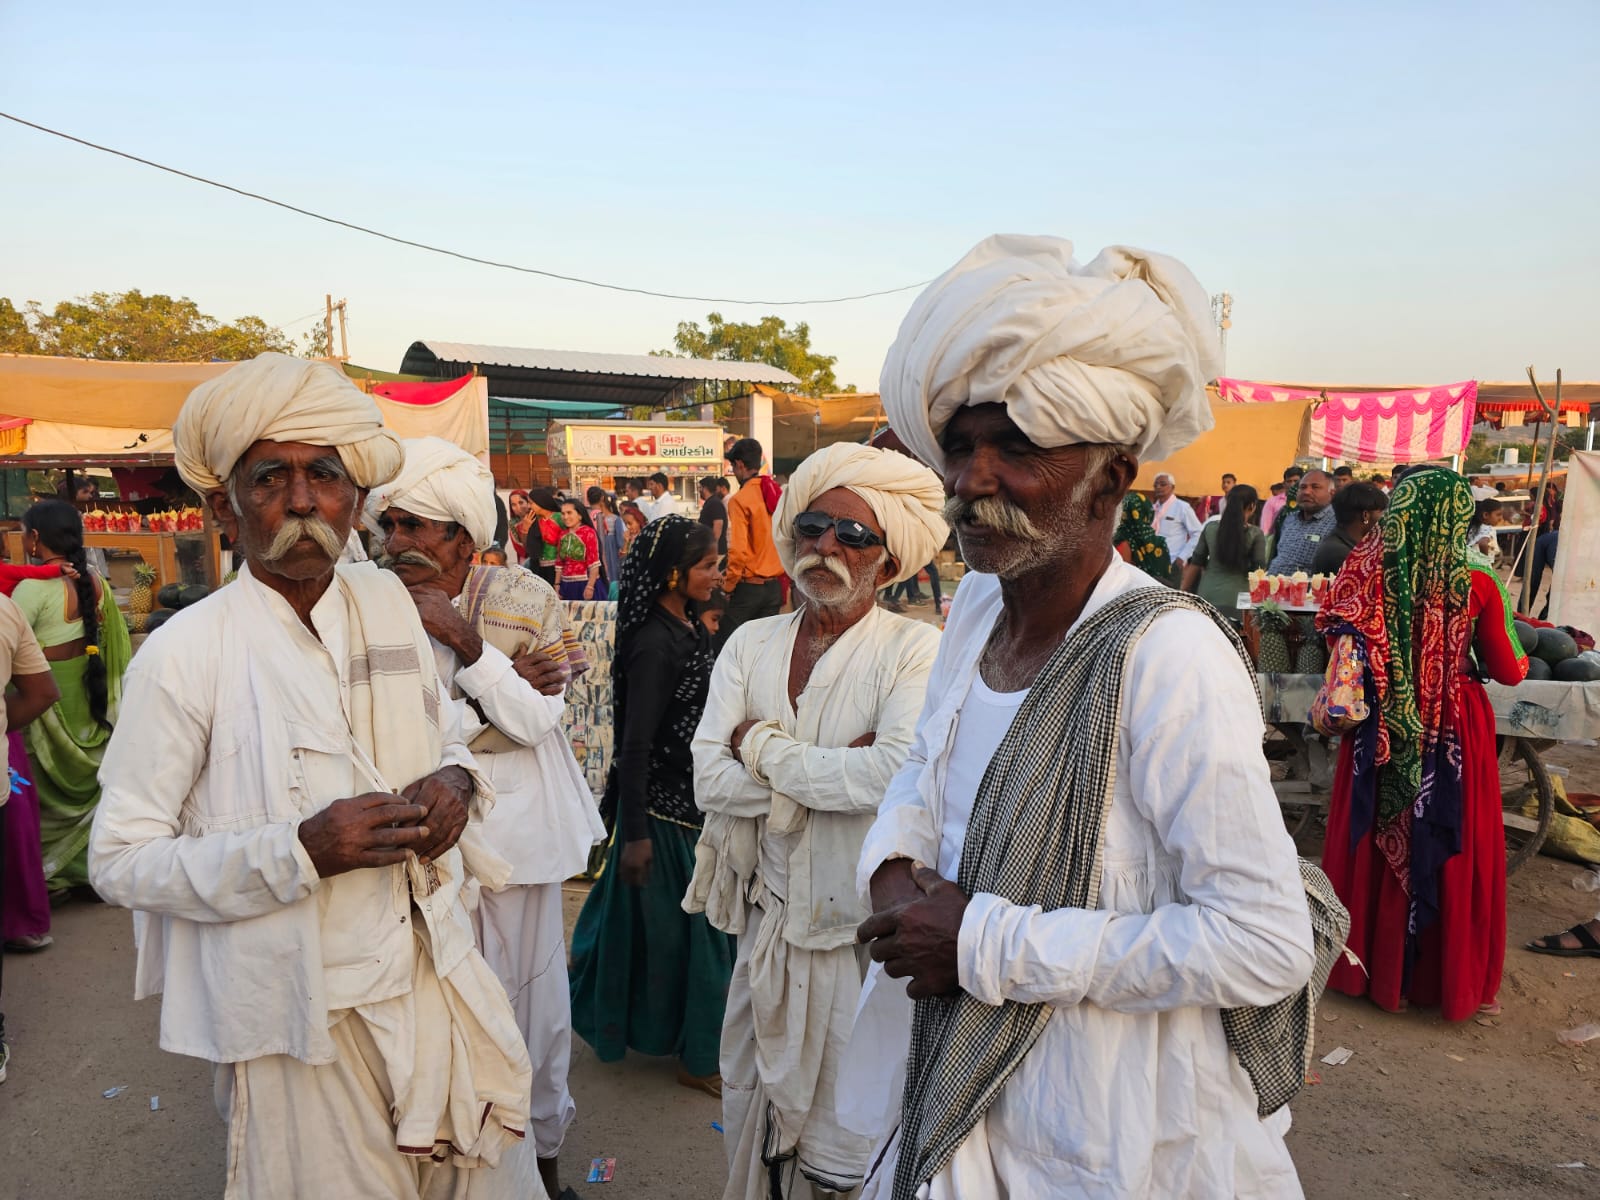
(1587,947)
(711,1085)
(30,943)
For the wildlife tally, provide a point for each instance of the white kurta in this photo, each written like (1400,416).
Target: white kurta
(786,826)
(544,822)
(1175,521)
(237,726)
(1131,1091)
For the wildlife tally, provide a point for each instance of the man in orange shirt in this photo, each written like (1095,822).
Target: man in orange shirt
(752,577)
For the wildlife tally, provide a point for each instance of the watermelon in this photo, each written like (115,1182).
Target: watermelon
(159,618)
(1556,646)
(1527,635)
(1581,669)
(169,596)
(193,595)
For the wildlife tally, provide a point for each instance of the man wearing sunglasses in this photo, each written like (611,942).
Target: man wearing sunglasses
(809,716)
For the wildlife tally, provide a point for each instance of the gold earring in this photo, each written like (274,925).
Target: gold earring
(672,580)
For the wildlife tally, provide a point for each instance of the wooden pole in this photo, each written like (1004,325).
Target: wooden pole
(327,326)
(1551,414)
(344,341)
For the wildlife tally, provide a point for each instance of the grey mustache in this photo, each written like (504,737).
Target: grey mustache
(996,513)
(295,528)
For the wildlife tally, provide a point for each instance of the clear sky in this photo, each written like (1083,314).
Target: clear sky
(1393,193)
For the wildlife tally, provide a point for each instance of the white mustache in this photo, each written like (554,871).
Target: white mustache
(998,514)
(833,565)
(295,528)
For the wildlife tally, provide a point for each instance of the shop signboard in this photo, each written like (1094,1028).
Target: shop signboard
(678,447)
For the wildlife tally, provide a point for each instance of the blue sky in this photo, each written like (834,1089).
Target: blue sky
(1392,193)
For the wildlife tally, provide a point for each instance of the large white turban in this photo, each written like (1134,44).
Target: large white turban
(905,497)
(280,398)
(1117,352)
(442,482)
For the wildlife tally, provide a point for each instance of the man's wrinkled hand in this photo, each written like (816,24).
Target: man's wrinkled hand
(444,622)
(892,886)
(374,830)
(918,940)
(866,739)
(443,796)
(541,672)
(736,741)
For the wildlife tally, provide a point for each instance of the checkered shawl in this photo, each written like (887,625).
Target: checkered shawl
(1036,837)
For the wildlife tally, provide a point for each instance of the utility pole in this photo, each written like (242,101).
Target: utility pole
(344,340)
(327,330)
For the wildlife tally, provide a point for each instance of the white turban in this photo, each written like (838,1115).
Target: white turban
(442,482)
(280,398)
(905,497)
(1115,353)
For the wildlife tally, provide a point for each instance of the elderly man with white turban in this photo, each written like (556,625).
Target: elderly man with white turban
(291,811)
(809,716)
(500,641)
(1081,871)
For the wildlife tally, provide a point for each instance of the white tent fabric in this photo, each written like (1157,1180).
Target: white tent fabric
(1575,590)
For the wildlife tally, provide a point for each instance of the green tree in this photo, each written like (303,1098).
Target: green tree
(769,340)
(132,327)
(16,336)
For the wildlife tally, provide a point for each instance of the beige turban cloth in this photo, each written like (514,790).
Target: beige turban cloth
(1118,352)
(442,482)
(905,497)
(280,398)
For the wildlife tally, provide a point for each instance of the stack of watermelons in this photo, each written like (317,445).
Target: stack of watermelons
(173,597)
(1557,652)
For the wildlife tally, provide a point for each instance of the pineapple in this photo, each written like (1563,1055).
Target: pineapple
(142,600)
(1273,624)
(1311,657)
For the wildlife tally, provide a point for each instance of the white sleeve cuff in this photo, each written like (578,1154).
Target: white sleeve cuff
(483,675)
(904,831)
(983,915)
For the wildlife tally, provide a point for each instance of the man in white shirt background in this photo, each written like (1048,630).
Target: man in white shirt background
(660,502)
(1174,520)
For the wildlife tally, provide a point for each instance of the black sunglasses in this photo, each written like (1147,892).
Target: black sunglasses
(850,533)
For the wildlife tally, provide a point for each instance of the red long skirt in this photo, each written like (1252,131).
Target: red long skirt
(1460,958)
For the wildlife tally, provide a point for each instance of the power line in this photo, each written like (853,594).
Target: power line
(472,258)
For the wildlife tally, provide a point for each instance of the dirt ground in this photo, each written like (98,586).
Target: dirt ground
(1490,1108)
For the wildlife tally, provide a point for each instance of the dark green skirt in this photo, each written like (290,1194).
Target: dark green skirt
(647,976)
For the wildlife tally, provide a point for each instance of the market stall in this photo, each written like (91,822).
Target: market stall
(73,413)
(1529,718)
(1262,427)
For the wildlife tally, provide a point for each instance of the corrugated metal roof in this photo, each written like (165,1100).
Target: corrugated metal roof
(581,375)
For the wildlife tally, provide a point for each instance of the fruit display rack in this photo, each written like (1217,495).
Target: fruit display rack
(1529,719)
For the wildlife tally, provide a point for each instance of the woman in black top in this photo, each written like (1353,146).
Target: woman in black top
(646,975)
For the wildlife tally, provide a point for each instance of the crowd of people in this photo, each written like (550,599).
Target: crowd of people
(1007,910)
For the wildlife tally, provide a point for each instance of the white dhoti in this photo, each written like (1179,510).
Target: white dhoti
(408,1111)
(787,1027)
(522,937)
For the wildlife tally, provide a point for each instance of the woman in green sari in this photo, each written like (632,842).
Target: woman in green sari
(86,643)
(1138,542)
